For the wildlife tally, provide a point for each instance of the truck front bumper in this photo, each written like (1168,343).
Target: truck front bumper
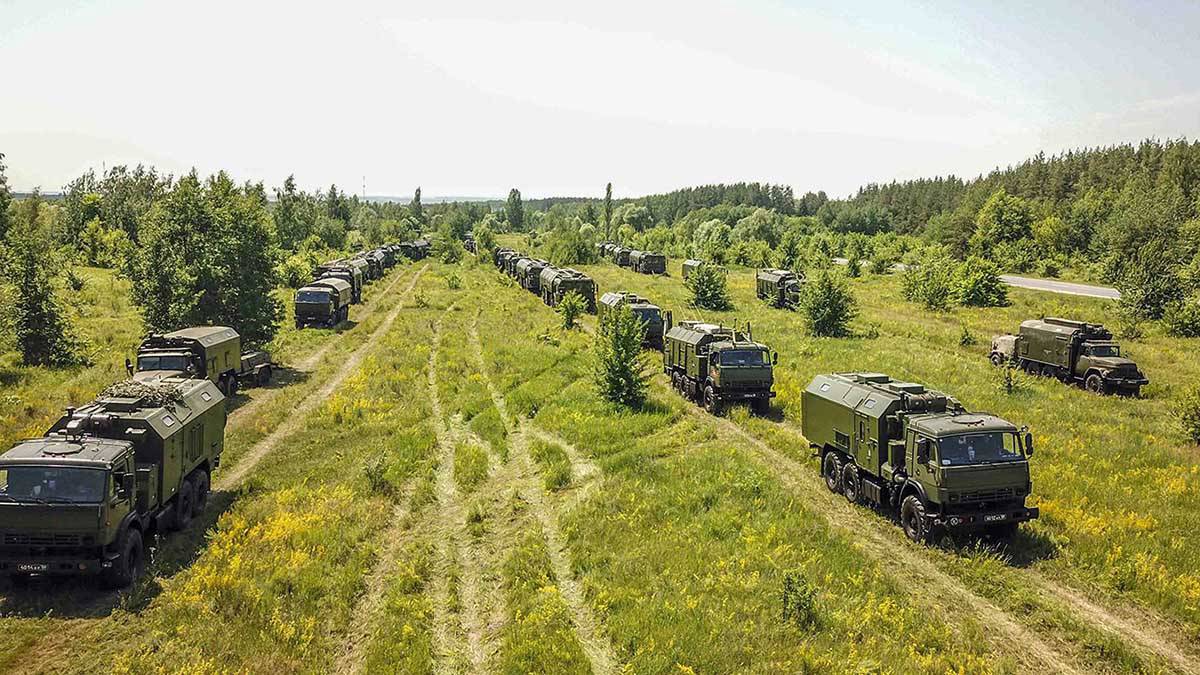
(1017,514)
(744,395)
(57,566)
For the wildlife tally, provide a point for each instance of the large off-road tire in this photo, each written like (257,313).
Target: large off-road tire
(831,469)
(851,484)
(264,376)
(997,359)
(1049,371)
(711,404)
(1095,384)
(760,406)
(200,490)
(130,562)
(185,505)
(1029,367)
(912,519)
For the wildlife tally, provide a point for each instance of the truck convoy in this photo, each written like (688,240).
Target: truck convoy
(529,274)
(203,352)
(717,365)
(324,302)
(648,262)
(779,288)
(557,282)
(917,452)
(107,477)
(648,313)
(1071,351)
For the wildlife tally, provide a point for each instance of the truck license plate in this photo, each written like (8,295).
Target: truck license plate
(33,567)
(994,517)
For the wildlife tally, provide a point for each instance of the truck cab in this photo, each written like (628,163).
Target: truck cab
(208,352)
(718,365)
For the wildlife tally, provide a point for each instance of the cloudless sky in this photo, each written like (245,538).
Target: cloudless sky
(558,97)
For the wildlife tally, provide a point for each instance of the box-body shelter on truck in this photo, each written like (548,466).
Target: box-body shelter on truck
(917,452)
(339,269)
(620,255)
(647,312)
(648,262)
(206,352)
(107,477)
(717,365)
(325,302)
(557,282)
(1071,351)
(779,288)
(529,274)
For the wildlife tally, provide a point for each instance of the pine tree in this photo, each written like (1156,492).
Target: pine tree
(418,211)
(708,287)
(5,199)
(608,210)
(620,369)
(514,211)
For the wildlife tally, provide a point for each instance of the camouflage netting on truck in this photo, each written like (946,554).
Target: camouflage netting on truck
(154,393)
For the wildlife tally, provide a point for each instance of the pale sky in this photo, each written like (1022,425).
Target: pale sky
(558,97)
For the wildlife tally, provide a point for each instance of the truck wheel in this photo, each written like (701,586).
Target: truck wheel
(711,404)
(997,359)
(912,519)
(127,567)
(264,376)
(851,487)
(760,406)
(200,493)
(831,468)
(1094,383)
(1048,372)
(232,386)
(184,506)
(1029,367)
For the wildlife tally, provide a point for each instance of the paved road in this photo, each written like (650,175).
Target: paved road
(1049,285)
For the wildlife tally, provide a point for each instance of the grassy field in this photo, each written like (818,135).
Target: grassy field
(460,500)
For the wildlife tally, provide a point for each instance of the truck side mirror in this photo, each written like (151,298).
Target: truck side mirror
(923,451)
(1028,444)
(129,366)
(774,358)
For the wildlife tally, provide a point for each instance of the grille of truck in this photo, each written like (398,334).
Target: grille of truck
(977,496)
(53,539)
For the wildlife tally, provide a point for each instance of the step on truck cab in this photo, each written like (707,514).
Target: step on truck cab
(717,365)
(918,453)
(647,312)
(87,497)
(324,302)
(1071,351)
(203,352)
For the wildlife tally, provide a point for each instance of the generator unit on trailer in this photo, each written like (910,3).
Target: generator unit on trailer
(905,448)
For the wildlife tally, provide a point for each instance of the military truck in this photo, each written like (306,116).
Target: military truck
(499,256)
(529,274)
(107,478)
(416,249)
(204,352)
(1071,351)
(620,255)
(510,265)
(647,312)
(364,267)
(557,282)
(648,262)
(374,260)
(690,265)
(918,453)
(351,274)
(717,365)
(780,288)
(325,302)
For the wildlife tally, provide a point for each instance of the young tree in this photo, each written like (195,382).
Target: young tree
(608,209)
(446,246)
(485,240)
(44,335)
(418,211)
(208,257)
(979,284)
(570,309)
(295,216)
(826,305)
(514,211)
(620,369)
(708,287)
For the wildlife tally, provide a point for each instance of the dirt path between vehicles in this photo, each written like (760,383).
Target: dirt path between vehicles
(587,627)
(310,362)
(231,477)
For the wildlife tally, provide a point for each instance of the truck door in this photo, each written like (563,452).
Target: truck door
(862,441)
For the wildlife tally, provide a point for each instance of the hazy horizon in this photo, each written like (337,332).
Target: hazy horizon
(471,99)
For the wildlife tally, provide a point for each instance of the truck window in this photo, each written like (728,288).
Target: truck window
(742,357)
(152,362)
(312,297)
(1103,351)
(982,448)
(53,484)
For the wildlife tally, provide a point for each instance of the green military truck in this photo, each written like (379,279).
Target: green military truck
(529,274)
(501,256)
(325,302)
(364,268)
(204,352)
(557,282)
(620,255)
(510,265)
(690,265)
(918,453)
(648,313)
(107,478)
(1071,351)
(717,365)
(340,269)
(648,262)
(779,288)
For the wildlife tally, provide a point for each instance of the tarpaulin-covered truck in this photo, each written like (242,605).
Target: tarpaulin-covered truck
(109,476)
(324,302)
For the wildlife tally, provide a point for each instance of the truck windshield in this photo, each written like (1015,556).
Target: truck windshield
(742,357)
(175,362)
(647,315)
(52,484)
(312,296)
(985,448)
(1103,350)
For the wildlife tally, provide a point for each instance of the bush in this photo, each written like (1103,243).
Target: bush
(826,305)
(619,370)
(880,264)
(799,601)
(853,267)
(1182,318)
(708,288)
(1187,412)
(298,269)
(966,339)
(570,309)
(979,284)
(930,284)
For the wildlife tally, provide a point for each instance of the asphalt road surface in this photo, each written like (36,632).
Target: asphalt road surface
(1048,285)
